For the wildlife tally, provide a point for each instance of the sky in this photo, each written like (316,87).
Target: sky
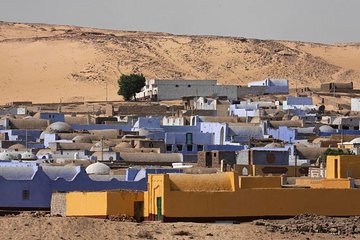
(324,21)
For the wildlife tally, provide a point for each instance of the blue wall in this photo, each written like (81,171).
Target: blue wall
(52,117)
(41,187)
(283,133)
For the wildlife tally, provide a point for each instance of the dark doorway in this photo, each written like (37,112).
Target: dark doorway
(138,210)
(159,210)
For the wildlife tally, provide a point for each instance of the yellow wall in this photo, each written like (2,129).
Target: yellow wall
(122,202)
(256,170)
(246,202)
(334,183)
(155,189)
(260,182)
(347,166)
(102,203)
(263,202)
(86,204)
(325,183)
(204,182)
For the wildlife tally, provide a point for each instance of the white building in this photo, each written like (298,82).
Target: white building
(355,104)
(203,103)
(244,109)
(156,89)
(303,103)
(273,86)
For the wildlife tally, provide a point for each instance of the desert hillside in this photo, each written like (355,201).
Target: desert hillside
(46,63)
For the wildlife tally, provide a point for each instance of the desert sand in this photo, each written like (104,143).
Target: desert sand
(29,227)
(53,63)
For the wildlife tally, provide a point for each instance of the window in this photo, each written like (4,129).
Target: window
(168,147)
(26,194)
(189,85)
(214,154)
(151,145)
(179,147)
(189,138)
(189,148)
(176,85)
(200,147)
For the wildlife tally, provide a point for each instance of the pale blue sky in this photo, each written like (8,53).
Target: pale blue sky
(326,21)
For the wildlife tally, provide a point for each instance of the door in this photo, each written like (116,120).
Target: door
(336,168)
(159,210)
(138,210)
(208,159)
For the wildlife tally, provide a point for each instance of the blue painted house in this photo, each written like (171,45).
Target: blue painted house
(31,187)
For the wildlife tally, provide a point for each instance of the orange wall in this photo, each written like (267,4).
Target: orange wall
(325,183)
(250,202)
(263,202)
(260,182)
(347,166)
(122,202)
(86,204)
(102,203)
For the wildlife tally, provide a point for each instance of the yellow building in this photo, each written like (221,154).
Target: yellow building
(343,166)
(209,197)
(103,204)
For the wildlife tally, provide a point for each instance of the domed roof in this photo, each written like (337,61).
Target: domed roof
(59,127)
(82,139)
(42,135)
(355,140)
(295,118)
(326,129)
(8,116)
(98,169)
(37,115)
(28,155)
(123,145)
(102,145)
(6,156)
(320,139)
(274,145)
(17,147)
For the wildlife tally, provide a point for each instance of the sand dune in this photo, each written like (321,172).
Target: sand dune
(46,63)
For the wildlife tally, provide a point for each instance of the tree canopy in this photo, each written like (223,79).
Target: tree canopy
(129,85)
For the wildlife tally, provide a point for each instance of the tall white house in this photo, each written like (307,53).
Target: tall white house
(158,90)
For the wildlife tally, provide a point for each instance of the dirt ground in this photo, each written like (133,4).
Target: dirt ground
(26,226)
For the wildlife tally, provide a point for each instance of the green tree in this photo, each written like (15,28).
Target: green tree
(336,151)
(129,85)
